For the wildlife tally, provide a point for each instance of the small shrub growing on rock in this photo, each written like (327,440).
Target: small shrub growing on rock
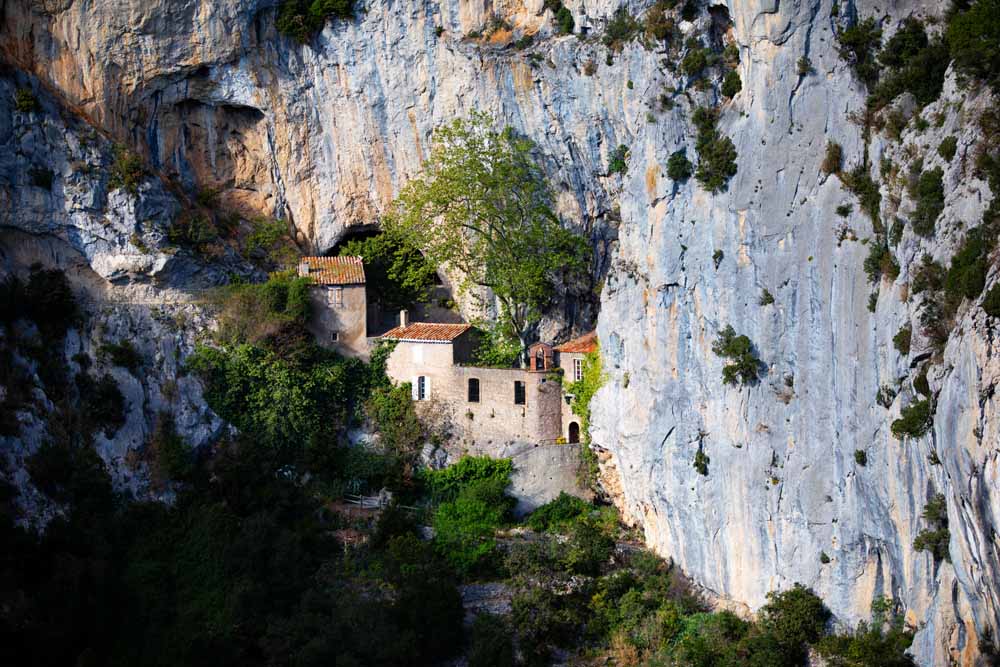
(834,158)
(122,354)
(717,258)
(823,557)
(731,84)
(766,298)
(966,275)
(701,462)
(679,168)
(864,187)
(880,263)
(301,19)
(860,457)
(885,396)
(716,152)
(24,101)
(914,421)
(929,276)
(745,366)
(991,302)
(948,147)
(935,539)
(804,66)
(127,171)
(564,20)
(844,210)
(618,164)
(901,341)
(620,30)
(930,201)
(695,62)
(858,46)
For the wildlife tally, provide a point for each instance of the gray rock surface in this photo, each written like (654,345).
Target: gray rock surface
(324,135)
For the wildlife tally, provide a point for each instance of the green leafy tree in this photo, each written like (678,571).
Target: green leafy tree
(482,208)
(679,168)
(974,41)
(395,271)
(745,366)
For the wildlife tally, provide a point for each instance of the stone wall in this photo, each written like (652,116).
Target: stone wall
(348,320)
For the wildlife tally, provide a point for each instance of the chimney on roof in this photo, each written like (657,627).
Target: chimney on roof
(404,318)
(303,269)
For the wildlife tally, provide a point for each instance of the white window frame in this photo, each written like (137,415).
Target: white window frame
(423,388)
(336,296)
(577,369)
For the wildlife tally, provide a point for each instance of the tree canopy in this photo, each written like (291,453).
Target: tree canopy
(482,208)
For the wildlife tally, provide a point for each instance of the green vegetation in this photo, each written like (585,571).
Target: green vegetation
(24,101)
(880,262)
(844,210)
(966,275)
(558,514)
(618,161)
(901,341)
(915,420)
(701,461)
(464,527)
(659,25)
(912,63)
(859,182)
(948,147)
(127,170)
(621,29)
(858,46)
(122,354)
(269,315)
(697,58)
(885,396)
(679,168)
(991,302)
(766,298)
(804,66)
(974,41)
(583,391)
(563,16)
(929,194)
(396,274)
(883,641)
(716,152)
(482,207)
(731,84)
(833,159)
(301,19)
(860,457)
(269,243)
(745,365)
(935,539)
(717,258)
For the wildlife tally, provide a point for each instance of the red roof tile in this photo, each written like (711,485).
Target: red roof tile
(427,331)
(334,270)
(584,344)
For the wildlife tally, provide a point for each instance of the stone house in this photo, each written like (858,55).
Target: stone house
(493,404)
(339,303)
(570,357)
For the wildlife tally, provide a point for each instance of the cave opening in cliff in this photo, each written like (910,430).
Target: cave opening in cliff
(397,278)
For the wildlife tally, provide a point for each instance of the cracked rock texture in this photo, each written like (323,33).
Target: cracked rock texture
(324,134)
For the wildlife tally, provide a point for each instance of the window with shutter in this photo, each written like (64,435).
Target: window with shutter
(518,392)
(421,388)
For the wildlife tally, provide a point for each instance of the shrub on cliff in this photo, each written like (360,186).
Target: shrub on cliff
(991,302)
(974,41)
(901,341)
(858,46)
(127,170)
(948,147)
(929,194)
(833,159)
(301,19)
(731,84)
(24,101)
(915,420)
(679,168)
(745,365)
(716,152)
(936,538)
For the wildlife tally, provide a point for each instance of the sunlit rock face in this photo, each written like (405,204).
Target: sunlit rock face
(325,134)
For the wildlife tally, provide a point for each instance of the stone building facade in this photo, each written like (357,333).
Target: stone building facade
(493,405)
(570,356)
(339,303)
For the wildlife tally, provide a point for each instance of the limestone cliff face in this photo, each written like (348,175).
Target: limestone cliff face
(324,134)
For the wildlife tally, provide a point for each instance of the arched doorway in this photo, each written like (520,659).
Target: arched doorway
(574,432)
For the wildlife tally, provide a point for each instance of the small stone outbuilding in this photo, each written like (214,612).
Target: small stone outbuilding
(339,303)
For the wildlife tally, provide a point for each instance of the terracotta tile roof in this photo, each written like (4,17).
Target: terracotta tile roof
(334,270)
(427,331)
(585,343)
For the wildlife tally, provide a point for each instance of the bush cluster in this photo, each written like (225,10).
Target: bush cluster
(122,354)
(915,420)
(621,29)
(301,19)
(618,161)
(127,170)
(24,100)
(935,539)
(716,152)
(745,366)
(929,195)
(679,168)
